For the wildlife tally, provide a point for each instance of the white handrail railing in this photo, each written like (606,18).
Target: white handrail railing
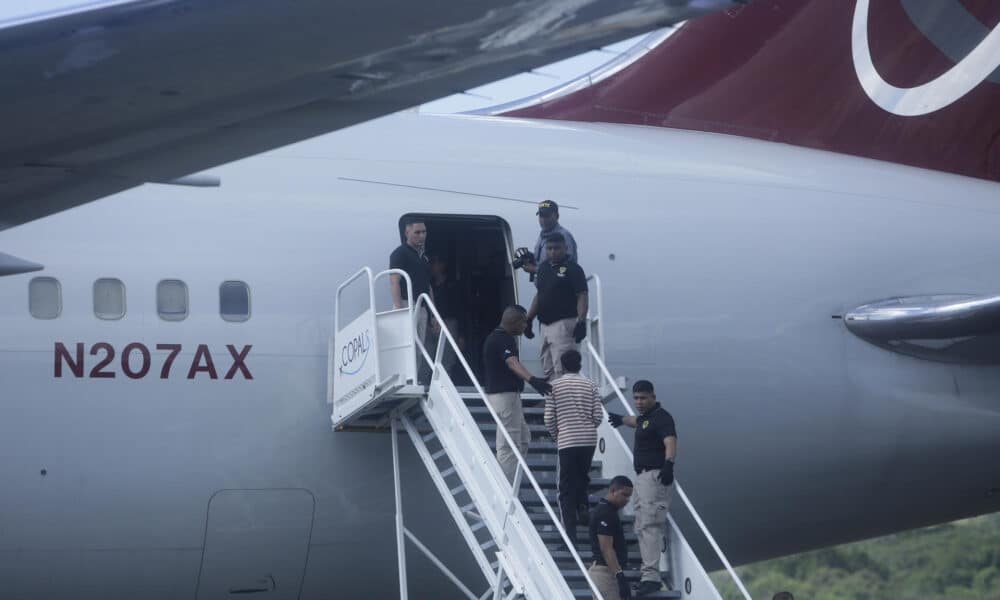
(522,463)
(677,486)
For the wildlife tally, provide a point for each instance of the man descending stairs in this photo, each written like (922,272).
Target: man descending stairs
(543,462)
(507,517)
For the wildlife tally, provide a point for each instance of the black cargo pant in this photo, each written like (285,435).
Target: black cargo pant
(574,479)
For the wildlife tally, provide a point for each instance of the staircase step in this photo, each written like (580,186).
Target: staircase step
(469,394)
(552,537)
(490,429)
(550,480)
(548,463)
(575,575)
(482,413)
(541,447)
(586,593)
(542,518)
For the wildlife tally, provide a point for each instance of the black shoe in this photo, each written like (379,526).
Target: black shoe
(647,587)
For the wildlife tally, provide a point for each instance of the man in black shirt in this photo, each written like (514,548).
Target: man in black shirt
(560,304)
(548,220)
(607,542)
(504,380)
(410,257)
(654,450)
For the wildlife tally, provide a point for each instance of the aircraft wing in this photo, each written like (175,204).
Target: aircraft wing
(110,94)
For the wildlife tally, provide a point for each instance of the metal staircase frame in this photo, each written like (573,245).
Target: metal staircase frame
(364,399)
(683,557)
(522,555)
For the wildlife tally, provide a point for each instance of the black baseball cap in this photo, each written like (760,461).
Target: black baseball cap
(547,206)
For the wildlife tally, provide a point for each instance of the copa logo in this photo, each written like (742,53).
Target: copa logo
(354,354)
(968,72)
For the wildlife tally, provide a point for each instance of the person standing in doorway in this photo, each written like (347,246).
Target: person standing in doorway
(448,301)
(560,304)
(572,414)
(654,451)
(504,382)
(409,257)
(548,221)
(607,542)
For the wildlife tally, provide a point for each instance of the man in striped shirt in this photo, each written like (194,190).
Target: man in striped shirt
(572,415)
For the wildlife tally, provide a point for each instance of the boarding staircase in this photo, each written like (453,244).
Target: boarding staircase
(512,530)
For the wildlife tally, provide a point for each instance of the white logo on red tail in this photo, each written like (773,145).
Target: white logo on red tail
(931,96)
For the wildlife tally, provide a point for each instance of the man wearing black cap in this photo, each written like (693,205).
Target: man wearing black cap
(654,450)
(548,220)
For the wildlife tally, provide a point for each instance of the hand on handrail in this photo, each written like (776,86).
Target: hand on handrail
(426,301)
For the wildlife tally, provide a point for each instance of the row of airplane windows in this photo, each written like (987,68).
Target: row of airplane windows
(45,299)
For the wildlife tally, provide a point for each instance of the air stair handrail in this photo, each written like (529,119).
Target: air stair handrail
(677,486)
(522,463)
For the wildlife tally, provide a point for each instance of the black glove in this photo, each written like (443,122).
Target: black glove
(623,589)
(522,256)
(616,420)
(528,333)
(541,385)
(580,331)
(667,473)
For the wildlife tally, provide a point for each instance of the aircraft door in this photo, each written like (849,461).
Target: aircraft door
(256,543)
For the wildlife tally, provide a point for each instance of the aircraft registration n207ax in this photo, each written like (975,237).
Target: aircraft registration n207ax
(164,376)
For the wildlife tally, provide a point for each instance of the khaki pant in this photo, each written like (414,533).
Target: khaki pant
(605,582)
(508,407)
(652,501)
(557,338)
(423,368)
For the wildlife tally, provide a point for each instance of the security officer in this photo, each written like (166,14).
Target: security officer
(548,220)
(560,304)
(653,454)
(504,379)
(409,257)
(607,542)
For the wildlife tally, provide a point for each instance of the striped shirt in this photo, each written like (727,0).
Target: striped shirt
(573,411)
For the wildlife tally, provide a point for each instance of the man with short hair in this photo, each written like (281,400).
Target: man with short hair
(504,380)
(607,542)
(560,304)
(409,257)
(548,220)
(654,451)
(572,414)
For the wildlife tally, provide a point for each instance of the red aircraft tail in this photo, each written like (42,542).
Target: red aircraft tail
(909,81)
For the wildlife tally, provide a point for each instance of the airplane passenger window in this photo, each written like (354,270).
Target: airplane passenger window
(172,300)
(44,298)
(109,299)
(234,301)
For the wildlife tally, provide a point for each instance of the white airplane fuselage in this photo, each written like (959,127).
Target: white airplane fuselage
(725,263)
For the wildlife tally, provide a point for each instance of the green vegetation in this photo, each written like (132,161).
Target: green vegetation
(959,560)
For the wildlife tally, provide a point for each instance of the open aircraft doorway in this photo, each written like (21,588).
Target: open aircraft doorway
(472,277)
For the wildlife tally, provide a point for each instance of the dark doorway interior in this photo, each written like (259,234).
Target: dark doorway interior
(472,252)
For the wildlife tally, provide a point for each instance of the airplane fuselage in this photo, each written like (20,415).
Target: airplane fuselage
(725,264)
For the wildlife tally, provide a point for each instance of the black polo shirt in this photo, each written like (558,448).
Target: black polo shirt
(650,429)
(604,521)
(558,286)
(500,346)
(416,266)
